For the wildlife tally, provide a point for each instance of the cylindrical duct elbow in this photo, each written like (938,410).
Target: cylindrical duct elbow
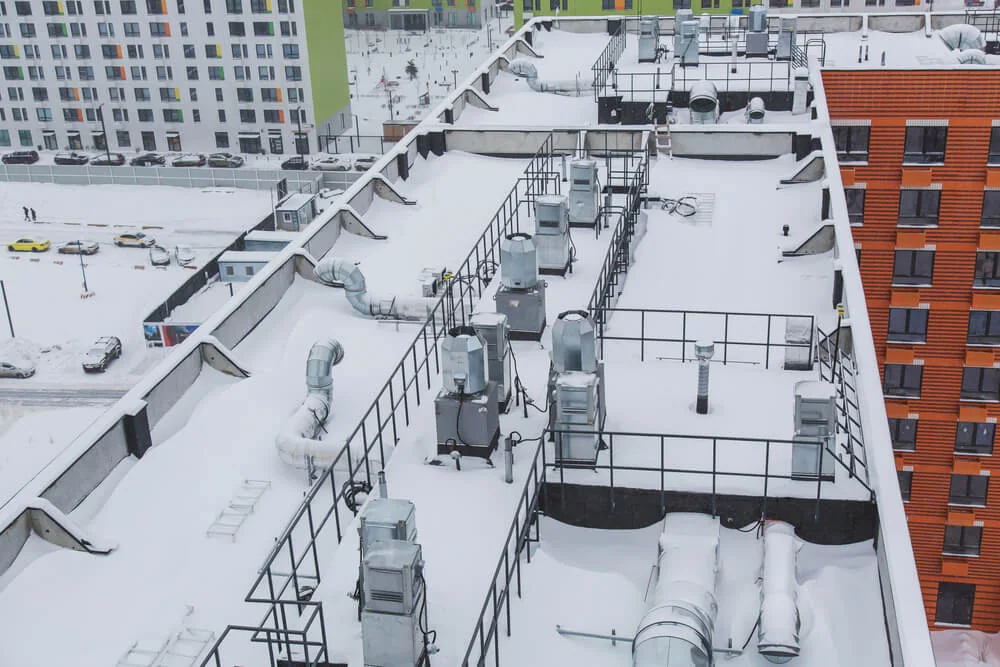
(778,630)
(323,356)
(347,273)
(704,103)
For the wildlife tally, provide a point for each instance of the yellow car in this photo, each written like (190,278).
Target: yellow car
(29,245)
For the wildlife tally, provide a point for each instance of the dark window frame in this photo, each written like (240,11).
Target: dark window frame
(962,541)
(984,327)
(905,480)
(990,214)
(987,269)
(955,603)
(903,432)
(925,144)
(910,259)
(913,327)
(980,384)
(926,207)
(974,438)
(855,198)
(848,141)
(903,380)
(964,490)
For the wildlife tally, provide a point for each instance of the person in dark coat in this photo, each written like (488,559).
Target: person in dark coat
(27,217)
(34,218)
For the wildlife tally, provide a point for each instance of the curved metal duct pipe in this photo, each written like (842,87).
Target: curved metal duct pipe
(778,631)
(962,36)
(346,272)
(528,70)
(677,629)
(296,442)
(704,103)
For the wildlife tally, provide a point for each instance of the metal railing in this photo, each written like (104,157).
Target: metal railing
(746,338)
(843,375)
(291,571)
(353,143)
(605,63)
(185,177)
(487,628)
(306,646)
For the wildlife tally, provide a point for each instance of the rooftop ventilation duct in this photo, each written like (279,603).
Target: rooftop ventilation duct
(704,103)
(758,18)
(339,270)
(576,87)
(971,57)
(755,111)
(778,630)
(962,37)
(297,444)
(677,629)
(518,262)
(574,343)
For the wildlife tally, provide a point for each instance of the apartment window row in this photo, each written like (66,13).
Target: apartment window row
(970,437)
(978,383)
(909,325)
(916,267)
(921,207)
(154,7)
(922,144)
(141,73)
(964,490)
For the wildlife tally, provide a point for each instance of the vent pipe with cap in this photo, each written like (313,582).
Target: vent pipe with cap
(703,351)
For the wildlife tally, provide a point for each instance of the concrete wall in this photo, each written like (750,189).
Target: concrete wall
(172,386)
(89,469)
(13,537)
(258,303)
(722,143)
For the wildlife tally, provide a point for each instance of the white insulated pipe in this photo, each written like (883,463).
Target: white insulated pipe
(346,272)
(528,70)
(297,444)
(778,630)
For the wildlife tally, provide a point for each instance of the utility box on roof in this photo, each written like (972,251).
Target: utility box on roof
(295,212)
(239,267)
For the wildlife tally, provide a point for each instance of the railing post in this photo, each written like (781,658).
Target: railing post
(611,458)
(663,466)
(767,349)
(714,454)
(767,470)
(642,335)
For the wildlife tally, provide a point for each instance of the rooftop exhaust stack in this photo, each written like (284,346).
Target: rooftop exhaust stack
(755,111)
(757,46)
(584,193)
(466,408)
(493,328)
(704,103)
(649,38)
(577,385)
(758,19)
(521,296)
(703,351)
(678,628)
(551,238)
(778,629)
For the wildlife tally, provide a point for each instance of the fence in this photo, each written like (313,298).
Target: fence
(307,646)
(746,338)
(291,571)
(605,63)
(843,374)
(344,143)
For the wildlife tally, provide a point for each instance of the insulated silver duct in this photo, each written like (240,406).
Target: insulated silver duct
(346,272)
(297,444)
(778,630)
(677,630)
(704,103)
(576,88)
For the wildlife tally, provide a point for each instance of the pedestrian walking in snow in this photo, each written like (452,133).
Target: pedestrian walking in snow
(34,218)
(27,217)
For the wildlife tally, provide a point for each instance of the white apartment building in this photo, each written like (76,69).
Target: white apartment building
(245,76)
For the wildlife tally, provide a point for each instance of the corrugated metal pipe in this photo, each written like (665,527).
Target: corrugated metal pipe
(347,273)
(778,630)
(528,70)
(297,444)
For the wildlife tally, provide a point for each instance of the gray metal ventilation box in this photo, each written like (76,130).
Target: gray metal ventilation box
(584,193)
(393,601)
(649,38)
(493,328)
(576,388)
(521,296)
(815,415)
(555,254)
(466,409)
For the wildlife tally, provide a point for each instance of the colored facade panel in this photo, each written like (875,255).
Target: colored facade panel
(327,50)
(949,454)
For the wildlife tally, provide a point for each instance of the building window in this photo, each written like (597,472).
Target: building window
(919,207)
(974,438)
(855,204)
(5,138)
(962,540)
(991,209)
(851,142)
(128,6)
(968,490)
(272,116)
(131,29)
(904,434)
(244,94)
(984,327)
(234,6)
(248,270)
(925,144)
(24,138)
(682,4)
(124,139)
(908,325)
(22,8)
(987,269)
(192,73)
(248,116)
(263,28)
(980,384)
(216,73)
(293,73)
(290,51)
(903,380)
(145,115)
(222,140)
(905,478)
(237,29)
(913,267)
(994,156)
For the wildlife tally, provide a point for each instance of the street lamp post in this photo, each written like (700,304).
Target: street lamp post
(357,129)
(454,74)
(489,37)
(6,307)
(104,129)
(83,270)
(389,91)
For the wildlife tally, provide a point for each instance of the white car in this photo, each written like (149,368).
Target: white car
(16,368)
(331,163)
(330,193)
(183,254)
(365,162)
(158,256)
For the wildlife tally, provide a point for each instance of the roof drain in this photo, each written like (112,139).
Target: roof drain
(338,270)
(778,630)
(297,440)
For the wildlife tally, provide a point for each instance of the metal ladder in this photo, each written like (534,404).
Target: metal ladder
(664,144)
(181,649)
(242,505)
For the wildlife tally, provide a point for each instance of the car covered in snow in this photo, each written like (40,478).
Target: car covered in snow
(16,368)
(134,240)
(107,160)
(99,356)
(184,254)
(71,158)
(78,247)
(159,256)
(330,193)
(148,160)
(365,162)
(190,160)
(29,244)
(331,163)
(225,160)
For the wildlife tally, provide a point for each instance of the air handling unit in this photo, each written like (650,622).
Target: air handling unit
(686,41)
(552,241)
(815,430)
(521,296)
(394,605)
(577,389)
(584,193)
(757,32)
(649,39)
(786,38)
(493,328)
(466,408)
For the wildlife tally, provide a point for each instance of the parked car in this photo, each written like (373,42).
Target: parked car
(28,244)
(365,162)
(148,160)
(331,163)
(330,193)
(134,240)
(190,160)
(296,163)
(183,254)
(158,256)
(20,157)
(225,160)
(108,160)
(19,368)
(79,247)
(99,356)
(72,158)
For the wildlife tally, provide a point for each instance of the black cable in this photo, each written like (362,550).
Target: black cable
(750,636)
(519,386)
(685,206)
(752,527)
(350,491)
(422,620)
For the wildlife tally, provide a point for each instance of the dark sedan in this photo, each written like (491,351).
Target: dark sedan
(20,157)
(297,163)
(71,158)
(148,160)
(192,160)
(106,160)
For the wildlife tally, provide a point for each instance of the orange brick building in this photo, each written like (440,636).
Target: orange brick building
(920,161)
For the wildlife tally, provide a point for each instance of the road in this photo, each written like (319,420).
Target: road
(60,395)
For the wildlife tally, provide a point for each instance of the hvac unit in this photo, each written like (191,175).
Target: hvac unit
(686,42)
(649,39)
(815,415)
(576,386)
(552,240)
(387,519)
(704,103)
(466,408)
(493,328)
(393,605)
(786,38)
(584,193)
(431,282)
(521,296)
(757,46)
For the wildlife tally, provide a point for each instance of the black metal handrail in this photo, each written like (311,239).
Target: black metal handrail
(306,646)
(843,375)
(606,62)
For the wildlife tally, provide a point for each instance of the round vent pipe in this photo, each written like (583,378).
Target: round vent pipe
(778,629)
(344,271)
(296,442)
